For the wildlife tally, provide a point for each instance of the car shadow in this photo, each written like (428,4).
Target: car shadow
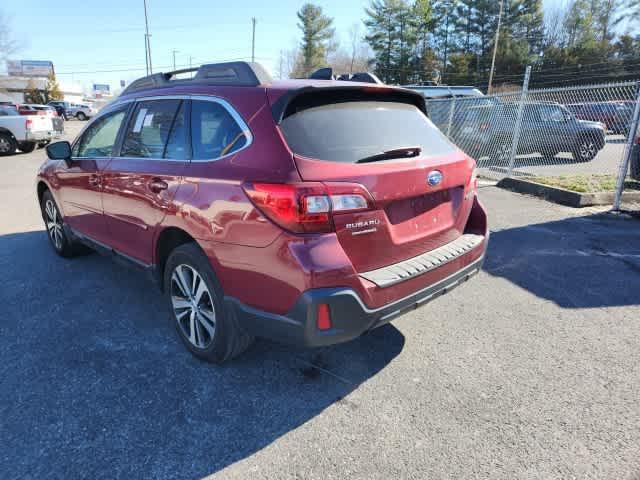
(580,262)
(94,382)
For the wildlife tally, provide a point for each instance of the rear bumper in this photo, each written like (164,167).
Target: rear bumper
(37,136)
(350,317)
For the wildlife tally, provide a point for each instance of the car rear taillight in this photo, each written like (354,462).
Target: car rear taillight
(307,207)
(28,123)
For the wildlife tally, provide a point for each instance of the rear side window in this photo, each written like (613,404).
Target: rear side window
(214,131)
(349,131)
(150,128)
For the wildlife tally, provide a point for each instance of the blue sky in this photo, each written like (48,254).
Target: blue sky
(102,42)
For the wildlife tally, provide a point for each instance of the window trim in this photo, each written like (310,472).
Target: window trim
(183,101)
(236,117)
(189,98)
(120,106)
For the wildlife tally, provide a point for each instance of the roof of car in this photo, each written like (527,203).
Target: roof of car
(234,74)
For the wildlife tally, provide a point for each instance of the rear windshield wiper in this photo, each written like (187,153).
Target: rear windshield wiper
(403,152)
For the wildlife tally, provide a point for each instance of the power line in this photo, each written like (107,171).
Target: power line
(163,67)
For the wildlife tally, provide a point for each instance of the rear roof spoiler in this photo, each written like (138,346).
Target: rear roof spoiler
(242,74)
(310,96)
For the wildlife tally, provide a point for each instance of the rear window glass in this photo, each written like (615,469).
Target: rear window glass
(347,132)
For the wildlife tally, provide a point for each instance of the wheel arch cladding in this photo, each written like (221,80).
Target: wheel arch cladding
(169,239)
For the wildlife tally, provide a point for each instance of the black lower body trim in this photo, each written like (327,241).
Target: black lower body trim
(350,317)
(149,269)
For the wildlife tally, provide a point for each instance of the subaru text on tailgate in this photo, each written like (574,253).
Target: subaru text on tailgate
(304,211)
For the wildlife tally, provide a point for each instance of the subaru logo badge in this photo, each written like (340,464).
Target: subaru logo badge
(434,178)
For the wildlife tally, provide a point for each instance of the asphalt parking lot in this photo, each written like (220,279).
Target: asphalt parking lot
(530,370)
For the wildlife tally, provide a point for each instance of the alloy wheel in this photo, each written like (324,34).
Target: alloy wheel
(504,152)
(587,149)
(193,306)
(4,145)
(54,224)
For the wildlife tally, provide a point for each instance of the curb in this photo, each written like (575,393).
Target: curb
(562,196)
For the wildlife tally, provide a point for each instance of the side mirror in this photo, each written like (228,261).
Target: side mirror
(59,151)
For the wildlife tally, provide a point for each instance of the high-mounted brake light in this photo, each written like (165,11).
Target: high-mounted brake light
(307,207)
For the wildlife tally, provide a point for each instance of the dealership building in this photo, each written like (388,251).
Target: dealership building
(22,74)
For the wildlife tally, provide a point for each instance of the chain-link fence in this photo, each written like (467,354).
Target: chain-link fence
(575,135)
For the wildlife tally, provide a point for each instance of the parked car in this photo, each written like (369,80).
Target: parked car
(56,120)
(432,92)
(23,132)
(635,159)
(81,112)
(61,107)
(306,211)
(616,116)
(547,128)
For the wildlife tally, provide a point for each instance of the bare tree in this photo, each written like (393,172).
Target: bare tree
(353,58)
(8,45)
(555,32)
(355,41)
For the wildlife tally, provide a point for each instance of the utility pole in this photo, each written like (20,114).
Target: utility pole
(146,55)
(147,40)
(174,51)
(495,48)
(253,40)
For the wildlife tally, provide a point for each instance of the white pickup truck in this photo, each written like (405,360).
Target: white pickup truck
(23,132)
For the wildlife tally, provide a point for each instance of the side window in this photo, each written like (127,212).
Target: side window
(149,128)
(98,140)
(551,114)
(214,132)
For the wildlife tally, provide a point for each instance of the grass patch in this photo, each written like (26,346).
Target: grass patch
(585,183)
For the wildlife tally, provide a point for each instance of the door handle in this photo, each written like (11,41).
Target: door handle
(156,185)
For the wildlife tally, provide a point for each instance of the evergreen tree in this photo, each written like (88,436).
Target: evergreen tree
(316,33)
(52,89)
(393,30)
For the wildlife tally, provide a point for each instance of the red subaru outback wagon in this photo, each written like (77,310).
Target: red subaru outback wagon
(304,211)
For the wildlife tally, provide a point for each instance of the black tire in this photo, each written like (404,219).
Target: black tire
(586,150)
(81,116)
(59,240)
(229,339)
(27,147)
(501,152)
(634,167)
(8,144)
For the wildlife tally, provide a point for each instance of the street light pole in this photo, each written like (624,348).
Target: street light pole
(147,40)
(174,57)
(253,40)
(495,49)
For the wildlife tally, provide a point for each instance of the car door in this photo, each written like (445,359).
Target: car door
(556,128)
(141,180)
(80,181)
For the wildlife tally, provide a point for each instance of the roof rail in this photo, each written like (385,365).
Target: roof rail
(326,73)
(241,74)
